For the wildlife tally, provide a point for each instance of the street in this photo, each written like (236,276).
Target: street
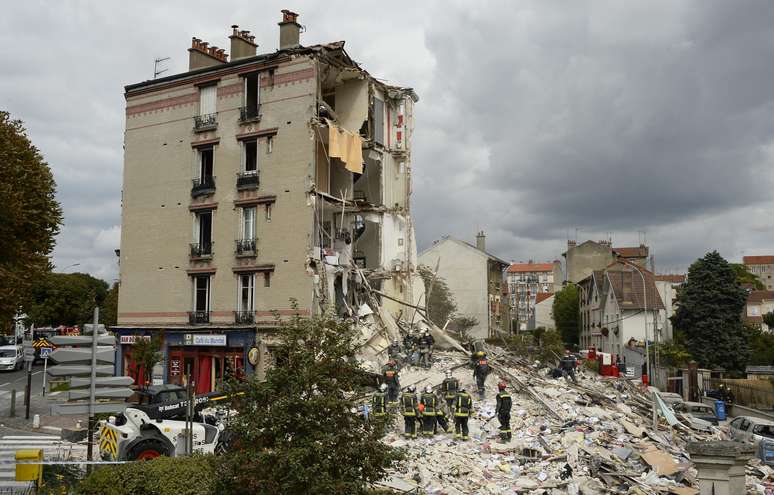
(10,380)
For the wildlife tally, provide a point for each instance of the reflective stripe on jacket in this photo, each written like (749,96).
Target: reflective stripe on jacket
(463,404)
(429,401)
(409,404)
(378,404)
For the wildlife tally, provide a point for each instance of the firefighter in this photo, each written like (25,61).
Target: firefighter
(463,405)
(567,364)
(426,343)
(393,351)
(449,389)
(379,402)
(480,373)
(408,344)
(390,378)
(430,407)
(503,411)
(410,408)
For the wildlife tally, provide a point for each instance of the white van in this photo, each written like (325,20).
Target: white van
(11,354)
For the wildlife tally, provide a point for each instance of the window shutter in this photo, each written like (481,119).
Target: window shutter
(207,99)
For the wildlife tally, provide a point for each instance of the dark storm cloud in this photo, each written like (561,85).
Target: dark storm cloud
(535,118)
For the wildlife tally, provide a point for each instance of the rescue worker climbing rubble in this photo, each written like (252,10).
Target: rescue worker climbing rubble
(393,351)
(480,373)
(426,343)
(379,402)
(429,411)
(449,388)
(410,410)
(503,411)
(463,406)
(390,378)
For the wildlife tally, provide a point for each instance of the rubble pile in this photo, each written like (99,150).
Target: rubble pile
(595,436)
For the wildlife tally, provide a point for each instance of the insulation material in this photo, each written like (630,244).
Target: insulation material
(352,104)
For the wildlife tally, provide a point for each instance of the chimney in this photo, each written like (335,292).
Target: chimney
(201,54)
(290,30)
(481,241)
(242,43)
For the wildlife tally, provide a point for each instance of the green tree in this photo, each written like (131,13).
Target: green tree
(761,346)
(768,319)
(709,314)
(29,216)
(145,354)
(744,276)
(297,431)
(109,314)
(440,303)
(65,299)
(566,310)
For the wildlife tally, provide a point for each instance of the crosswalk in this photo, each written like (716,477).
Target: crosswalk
(53,449)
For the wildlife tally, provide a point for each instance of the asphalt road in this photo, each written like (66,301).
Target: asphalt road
(18,380)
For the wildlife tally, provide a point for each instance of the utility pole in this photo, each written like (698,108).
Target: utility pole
(93,386)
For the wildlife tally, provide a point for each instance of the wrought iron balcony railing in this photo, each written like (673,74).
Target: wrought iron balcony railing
(246,246)
(203,185)
(250,114)
(201,250)
(244,317)
(247,180)
(205,122)
(198,317)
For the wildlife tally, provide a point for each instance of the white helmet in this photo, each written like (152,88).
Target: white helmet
(448,374)
(429,389)
(412,388)
(383,387)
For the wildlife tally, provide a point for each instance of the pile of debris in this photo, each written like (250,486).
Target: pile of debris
(595,436)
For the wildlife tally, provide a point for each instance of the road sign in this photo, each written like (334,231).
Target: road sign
(102,381)
(80,369)
(82,355)
(82,340)
(78,408)
(45,351)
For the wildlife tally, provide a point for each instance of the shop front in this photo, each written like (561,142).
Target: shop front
(208,359)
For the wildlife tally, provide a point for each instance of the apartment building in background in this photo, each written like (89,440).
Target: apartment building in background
(526,282)
(583,259)
(759,303)
(475,279)
(762,267)
(254,186)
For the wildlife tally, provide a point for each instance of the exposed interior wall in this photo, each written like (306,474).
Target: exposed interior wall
(351,103)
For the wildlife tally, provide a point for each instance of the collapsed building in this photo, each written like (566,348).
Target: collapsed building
(251,180)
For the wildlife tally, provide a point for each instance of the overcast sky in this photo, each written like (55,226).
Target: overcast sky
(537,120)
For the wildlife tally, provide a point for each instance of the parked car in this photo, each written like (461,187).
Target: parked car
(751,430)
(11,353)
(697,410)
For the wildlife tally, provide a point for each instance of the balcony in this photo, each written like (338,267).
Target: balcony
(250,114)
(246,247)
(201,251)
(244,317)
(198,317)
(207,122)
(247,180)
(203,186)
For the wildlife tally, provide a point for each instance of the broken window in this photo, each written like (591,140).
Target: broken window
(250,151)
(252,97)
(377,121)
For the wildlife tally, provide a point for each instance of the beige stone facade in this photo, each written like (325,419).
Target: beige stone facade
(232,205)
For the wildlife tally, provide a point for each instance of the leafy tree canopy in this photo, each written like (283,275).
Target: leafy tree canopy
(566,309)
(761,346)
(440,303)
(709,314)
(297,432)
(744,276)
(109,313)
(65,299)
(29,216)
(768,319)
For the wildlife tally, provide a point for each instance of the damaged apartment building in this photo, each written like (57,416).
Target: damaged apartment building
(254,180)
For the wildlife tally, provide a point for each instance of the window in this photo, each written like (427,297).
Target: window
(268,212)
(269,144)
(248,223)
(754,310)
(203,232)
(377,122)
(252,97)
(267,279)
(206,163)
(247,292)
(208,97)
(250,156)
(202,293)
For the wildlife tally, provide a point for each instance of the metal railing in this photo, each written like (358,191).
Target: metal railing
(247,114)
(244,317)
(205,122)
(246,246)
(203,185)
(248,180)
(198,317)
(201,250)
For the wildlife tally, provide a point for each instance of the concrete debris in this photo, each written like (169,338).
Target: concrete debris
(599,438)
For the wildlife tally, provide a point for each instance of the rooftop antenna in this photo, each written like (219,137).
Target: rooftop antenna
(156,62)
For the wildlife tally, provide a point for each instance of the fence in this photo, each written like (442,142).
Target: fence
(758,394)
